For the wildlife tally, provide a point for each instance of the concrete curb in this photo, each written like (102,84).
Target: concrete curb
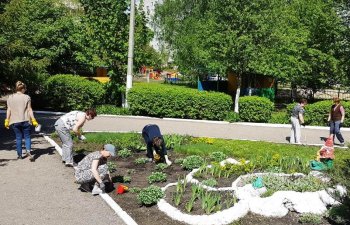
(110,202)
(197,121)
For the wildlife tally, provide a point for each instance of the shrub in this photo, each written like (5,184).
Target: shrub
(232,117)
(255,109)
(69,92)
(150,195)
(178,102)
(141,161)
(179,161)
(124,153)
(157,177)
(217,156)
(112,110)
(192,162)
(310,218)
(281,117)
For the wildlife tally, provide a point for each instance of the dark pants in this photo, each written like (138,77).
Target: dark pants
(21,130)
(335,129)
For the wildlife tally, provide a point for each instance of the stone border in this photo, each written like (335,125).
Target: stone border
(115,207)
(277,205)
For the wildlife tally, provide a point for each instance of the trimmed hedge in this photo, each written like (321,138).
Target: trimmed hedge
(178,102)
(70,92)
(112,110)
(255,109)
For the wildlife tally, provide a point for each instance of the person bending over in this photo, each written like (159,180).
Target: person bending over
(155,143)
(93,170)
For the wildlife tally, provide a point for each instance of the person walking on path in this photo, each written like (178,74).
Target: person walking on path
(154,139)
(297,119)
(336,119)
(72,121)
(20,117)
(93,169)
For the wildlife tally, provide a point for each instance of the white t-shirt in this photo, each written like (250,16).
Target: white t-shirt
(71,118)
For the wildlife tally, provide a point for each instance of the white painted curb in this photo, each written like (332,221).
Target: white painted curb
(116,208)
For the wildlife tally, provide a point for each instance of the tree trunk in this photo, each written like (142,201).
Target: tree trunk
(238,92)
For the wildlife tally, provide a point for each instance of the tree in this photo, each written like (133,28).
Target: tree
(35,40)
(277,37)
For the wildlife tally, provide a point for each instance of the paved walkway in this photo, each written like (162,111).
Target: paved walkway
(44,192)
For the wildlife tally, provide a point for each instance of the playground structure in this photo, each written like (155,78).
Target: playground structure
(150,73)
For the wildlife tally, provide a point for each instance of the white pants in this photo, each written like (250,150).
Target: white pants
(295,133)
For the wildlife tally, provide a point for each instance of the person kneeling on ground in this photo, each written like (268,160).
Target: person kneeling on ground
(154,139)
(93,169)
(325,156)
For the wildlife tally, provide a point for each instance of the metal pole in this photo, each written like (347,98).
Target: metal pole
(130,51)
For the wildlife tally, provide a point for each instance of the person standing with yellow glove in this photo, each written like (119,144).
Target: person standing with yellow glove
(20,117)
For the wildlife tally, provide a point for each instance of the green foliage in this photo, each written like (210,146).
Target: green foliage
(126,179)
(217,156)
(157,177)
(150,195)
(36,39)
(339,214)
(124,153)
(173,141)
(211,182)
(141,161)
(69,92)
(111,110)
(280,117)
(112,167)
(135,190)
(179,161)
(310,218)
(192,162)
(161,166)
(177,102)
(255,109)
(232,117)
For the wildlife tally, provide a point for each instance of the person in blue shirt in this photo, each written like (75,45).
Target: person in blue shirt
(155,143)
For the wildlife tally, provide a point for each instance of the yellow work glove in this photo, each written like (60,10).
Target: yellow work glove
(156,157)
(7,124)
(35,123)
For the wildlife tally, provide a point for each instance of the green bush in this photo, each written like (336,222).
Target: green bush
(178,102)
(310,218)
(112,110)
(192,162)
(255,109)
(157,177)
(232,117)
(69,92)
(161,166)
(150,195)
(281,117)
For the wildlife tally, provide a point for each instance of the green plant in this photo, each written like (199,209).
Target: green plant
(211,182)
(70,92)
(177,196)
(178,102)
(157,177)
(124,153)
(161,166)
(150,195)
(281,117)
(232,117)
(135,190)
(131,171)
(310,218)
(179,161)
(112,166)
(112,110)
(189,204)
(174,140)
(126,179)
(255,109)
(192,162)
(211,201)
(217,156)
(141,161)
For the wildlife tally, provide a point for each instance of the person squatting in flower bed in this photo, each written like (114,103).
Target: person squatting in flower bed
(93,170)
